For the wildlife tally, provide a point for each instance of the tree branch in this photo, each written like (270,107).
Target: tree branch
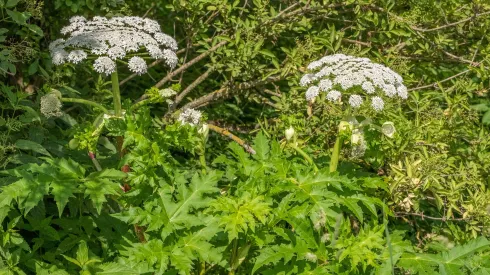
(450,24)
(193,85)
(225,91)
(403,214)
(190,63)
(434,85)
(236,139)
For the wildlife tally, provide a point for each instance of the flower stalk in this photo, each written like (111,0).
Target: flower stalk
(334,160)
(116,94)
(86,102)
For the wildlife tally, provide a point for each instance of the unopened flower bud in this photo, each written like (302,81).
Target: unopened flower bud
(345,126)
(289,133)
(388,129)
(204,130)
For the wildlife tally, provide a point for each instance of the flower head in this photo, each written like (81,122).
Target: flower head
(137,65)
(104,65)
(113,38)
(342,74)
(190,116)
(51,106)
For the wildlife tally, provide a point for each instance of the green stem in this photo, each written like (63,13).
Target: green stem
(334,160)
(116,94)
(140,103)
(307,158)
(86,102)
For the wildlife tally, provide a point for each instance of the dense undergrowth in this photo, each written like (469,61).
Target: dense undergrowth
(263,181)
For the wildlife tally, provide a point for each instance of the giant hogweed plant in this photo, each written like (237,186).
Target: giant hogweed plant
(266,214)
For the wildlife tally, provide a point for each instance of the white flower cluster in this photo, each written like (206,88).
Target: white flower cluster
(113,39)
(51,105)
(190,116)
(334,73)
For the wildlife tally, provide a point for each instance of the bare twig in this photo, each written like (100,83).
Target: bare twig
(193,85)
(190,63)
(226,91)
(403,214)
(450,24)
(236,139)
(152,6)
(434,85)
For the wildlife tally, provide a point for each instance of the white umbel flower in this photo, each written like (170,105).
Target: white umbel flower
(137,65)
(355,101)
(334,95)
(116,53)
(104,65)
(77,56)
(377,103)
(59,56)
(51,106)
(114,38)
(350,75)
(312,93)
(190,116)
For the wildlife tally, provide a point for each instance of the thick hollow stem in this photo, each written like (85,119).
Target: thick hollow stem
(334,160)
(307,158)
(86,102)
(116,94)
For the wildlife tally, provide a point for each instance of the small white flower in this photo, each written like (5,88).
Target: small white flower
(167,92)
(368,87)
(333,95)
(59,56)
(137,65)
(312,92)
(51,105)
(116,53)
(311,257)
(355,101)
(104,65)
(325,85)
(305,80)
(289,133)
(190,116)
(402,91)
(170,58)
(77,56)
(377,103)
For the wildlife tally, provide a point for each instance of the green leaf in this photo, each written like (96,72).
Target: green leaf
(35,29)
(90,4)
(113,268)
(97,190)
(351,203)
(11,3)
(19,17)
(482,107)
(486,118)
(38,188)
(62,190)
(82,253)
(261,146)
(267,53)
(31,145)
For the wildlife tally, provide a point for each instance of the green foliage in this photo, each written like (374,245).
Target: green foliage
(91,193)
